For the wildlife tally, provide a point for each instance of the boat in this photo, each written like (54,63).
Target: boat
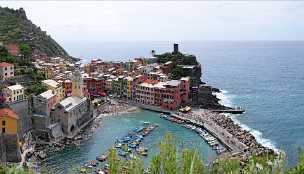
(146,123)
(100,171)
(92,163)
(83,170)
(122,153)
(102,157)
(118,145)
(142,151)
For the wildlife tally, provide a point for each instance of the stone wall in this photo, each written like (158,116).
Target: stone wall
(22,110)
(9,149)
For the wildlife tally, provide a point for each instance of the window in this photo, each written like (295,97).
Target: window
(5,68)
(3,122)
(3,130)
(5,74)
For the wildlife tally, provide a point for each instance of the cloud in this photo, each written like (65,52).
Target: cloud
(97,21)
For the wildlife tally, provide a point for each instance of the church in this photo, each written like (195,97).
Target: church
(73,112)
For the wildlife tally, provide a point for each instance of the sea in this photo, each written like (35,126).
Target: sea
(264,77)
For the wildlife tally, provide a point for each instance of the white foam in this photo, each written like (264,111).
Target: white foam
(226,100)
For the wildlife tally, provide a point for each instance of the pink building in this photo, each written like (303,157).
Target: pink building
(167,95)
(44,102)
(171,95)
(185,89)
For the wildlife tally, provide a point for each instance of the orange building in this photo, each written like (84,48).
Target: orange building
(8,121)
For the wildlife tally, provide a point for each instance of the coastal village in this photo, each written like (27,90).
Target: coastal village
(70,95)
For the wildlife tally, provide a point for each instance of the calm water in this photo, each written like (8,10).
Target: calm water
(267,78)
(115,127)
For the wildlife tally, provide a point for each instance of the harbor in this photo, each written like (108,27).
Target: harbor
(114,128)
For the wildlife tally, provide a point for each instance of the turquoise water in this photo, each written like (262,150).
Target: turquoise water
(265,77)
(119,126)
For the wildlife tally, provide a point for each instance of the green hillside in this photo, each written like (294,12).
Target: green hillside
(16,28)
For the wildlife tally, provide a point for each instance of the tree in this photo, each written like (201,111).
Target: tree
(25,51)
(177,73)
(36,89)
(3,51)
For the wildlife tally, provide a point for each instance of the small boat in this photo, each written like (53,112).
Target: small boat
(100,171)
(92,163)
(132,145)
(122,153)
(102,157)
(83,170)
(118,145)
(146,123)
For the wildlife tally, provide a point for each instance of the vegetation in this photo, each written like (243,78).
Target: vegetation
(167,161)
(178,71)
(5,57)
(178,58)
(36,89)
(16,28)
(14,170)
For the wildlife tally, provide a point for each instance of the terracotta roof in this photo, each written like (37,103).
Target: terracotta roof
(4,64)
(8,112)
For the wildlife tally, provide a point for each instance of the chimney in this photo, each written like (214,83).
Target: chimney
(175,50)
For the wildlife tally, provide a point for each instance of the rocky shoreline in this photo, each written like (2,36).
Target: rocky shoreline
(205,99)
(251,145)
(242,135)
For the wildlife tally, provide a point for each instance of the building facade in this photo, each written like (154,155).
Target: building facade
(9,146)
(72,113)
(56,88)
(6,70)
(14,93)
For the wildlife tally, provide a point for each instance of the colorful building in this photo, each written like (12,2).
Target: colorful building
(185,89)
(167,67)
(78,87)
(167,95)
(9,121)
(14,93)
(67,86)
(6,70)
(56,88)
(44,102)
(42,106)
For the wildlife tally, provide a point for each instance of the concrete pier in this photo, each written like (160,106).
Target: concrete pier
(233,145)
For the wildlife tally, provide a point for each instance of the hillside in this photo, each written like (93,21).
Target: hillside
(16,28)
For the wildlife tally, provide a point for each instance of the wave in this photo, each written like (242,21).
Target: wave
(226,100)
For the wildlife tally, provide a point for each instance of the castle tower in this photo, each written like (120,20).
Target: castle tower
(175,48)
(77,83)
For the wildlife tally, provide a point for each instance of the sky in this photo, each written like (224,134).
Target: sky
(103,21)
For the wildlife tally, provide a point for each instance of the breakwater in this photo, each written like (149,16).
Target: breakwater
(237,141)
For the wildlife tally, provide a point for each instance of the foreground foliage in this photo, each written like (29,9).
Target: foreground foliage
(168,161)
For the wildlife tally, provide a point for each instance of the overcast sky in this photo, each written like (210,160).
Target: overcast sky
(98,21)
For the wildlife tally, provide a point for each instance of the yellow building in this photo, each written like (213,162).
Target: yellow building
(56,88)
(129,87)
(14,93)
(77,84)
(8,121)
(48,72)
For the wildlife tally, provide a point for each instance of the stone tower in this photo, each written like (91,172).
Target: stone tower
(77,83)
